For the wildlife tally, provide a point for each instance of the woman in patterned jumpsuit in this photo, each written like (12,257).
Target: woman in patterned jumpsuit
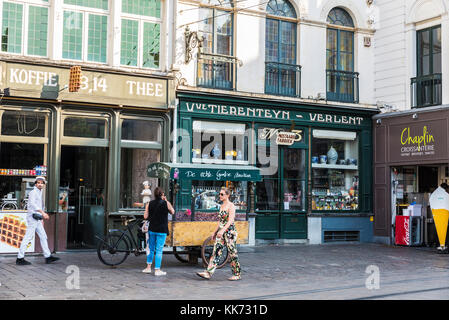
(224,235)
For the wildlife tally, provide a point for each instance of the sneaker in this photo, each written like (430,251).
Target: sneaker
(22,262)
(51,259)
(146,270)
(159,272)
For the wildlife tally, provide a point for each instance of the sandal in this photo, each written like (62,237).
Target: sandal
(204,275)
(234,278)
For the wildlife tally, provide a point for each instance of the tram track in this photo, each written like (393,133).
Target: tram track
(384,284)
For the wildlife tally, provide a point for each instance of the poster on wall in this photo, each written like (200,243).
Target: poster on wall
(13,226)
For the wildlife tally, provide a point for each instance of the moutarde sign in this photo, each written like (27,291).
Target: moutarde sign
(423,140)
(35,81)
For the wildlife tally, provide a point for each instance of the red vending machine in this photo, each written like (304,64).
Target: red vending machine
(408,231)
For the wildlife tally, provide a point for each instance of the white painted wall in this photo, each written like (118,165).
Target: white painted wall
(311,44)
(395,47)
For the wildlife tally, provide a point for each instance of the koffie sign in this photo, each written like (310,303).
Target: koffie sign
(418,141)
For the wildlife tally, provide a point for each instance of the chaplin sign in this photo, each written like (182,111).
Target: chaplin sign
(424,140)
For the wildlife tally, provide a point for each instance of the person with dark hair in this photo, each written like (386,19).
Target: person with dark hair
(224,235)
(35,224)
(157,212)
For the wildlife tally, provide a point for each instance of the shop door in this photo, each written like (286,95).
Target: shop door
(293,224)
(281,198)
(83,181)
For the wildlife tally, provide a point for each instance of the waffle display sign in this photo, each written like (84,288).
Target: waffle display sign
(12,230)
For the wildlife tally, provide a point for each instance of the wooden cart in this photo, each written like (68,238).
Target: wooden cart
(192,239)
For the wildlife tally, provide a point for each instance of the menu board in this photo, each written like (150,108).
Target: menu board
(13,226)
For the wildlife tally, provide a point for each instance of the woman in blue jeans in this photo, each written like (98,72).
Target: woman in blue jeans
(157,212)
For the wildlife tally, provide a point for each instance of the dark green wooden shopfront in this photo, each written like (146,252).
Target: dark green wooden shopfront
(284,200)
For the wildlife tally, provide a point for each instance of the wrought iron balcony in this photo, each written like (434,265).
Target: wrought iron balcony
(217,71)
(283,79)
(342,86)
(426,90)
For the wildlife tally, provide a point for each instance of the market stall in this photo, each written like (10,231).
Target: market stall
(191,227)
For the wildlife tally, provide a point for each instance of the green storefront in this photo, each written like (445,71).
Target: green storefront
(315,161)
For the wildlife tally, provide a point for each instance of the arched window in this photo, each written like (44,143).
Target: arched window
(281,71)
(342,81)
(217,28)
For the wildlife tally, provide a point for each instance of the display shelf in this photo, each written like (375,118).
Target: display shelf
(21,175)
(334,166)
(220,161)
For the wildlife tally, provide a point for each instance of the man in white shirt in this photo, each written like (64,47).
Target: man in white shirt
(35,223)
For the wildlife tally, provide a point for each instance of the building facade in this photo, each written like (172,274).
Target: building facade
(411,87)
(286,86)
(92,145)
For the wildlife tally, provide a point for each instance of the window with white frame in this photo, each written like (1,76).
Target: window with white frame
(85,30)
(141,33)
(25,27)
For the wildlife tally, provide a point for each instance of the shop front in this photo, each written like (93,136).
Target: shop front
(411,161)
(315,163)
(92,146)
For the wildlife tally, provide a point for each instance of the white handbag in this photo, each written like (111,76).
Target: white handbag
(145,226)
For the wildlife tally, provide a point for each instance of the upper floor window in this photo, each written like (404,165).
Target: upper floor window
(217,28)
(281,72)
(25,27)
(342,81)
(141,33)
(85,30)
(427,86)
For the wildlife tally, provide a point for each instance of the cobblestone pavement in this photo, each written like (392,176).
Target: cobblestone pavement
(272,272)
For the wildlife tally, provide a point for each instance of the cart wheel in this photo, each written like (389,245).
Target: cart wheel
(181,253)
(207,250)
(113,250)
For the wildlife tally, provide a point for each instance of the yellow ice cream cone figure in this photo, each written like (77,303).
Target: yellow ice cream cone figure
(439,203)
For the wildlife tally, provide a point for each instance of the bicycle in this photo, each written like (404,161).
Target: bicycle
(118,244)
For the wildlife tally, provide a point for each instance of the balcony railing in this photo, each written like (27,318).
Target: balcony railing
(342,86)
(283,79)
(426,90)
(217,71)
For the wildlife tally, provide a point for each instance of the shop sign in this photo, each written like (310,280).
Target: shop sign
(422,140)
(13,227)
(271,113)
(286,138)
(96,87)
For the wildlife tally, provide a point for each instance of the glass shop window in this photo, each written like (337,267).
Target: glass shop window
(218,142)
(141,130)
(133,173)
(20,163)
(140,146)
(207,203)
(85,127)
(28,124)
(335,170)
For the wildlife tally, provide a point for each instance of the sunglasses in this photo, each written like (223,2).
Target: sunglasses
(222,194)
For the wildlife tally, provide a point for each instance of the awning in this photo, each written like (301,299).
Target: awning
(193,171)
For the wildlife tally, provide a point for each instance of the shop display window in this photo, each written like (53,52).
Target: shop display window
(19,123)
(206,201)
(85,127)
(335,170)
(133,172)
(141,130)
(218,142)
(20,163)
(405,187)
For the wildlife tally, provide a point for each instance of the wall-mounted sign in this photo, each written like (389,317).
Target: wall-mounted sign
(277,113)
(98,87)
(422,140)
(286,138)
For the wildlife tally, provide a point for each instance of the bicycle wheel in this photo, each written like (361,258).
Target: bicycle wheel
(206,252)
(114,249)
(181,253)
